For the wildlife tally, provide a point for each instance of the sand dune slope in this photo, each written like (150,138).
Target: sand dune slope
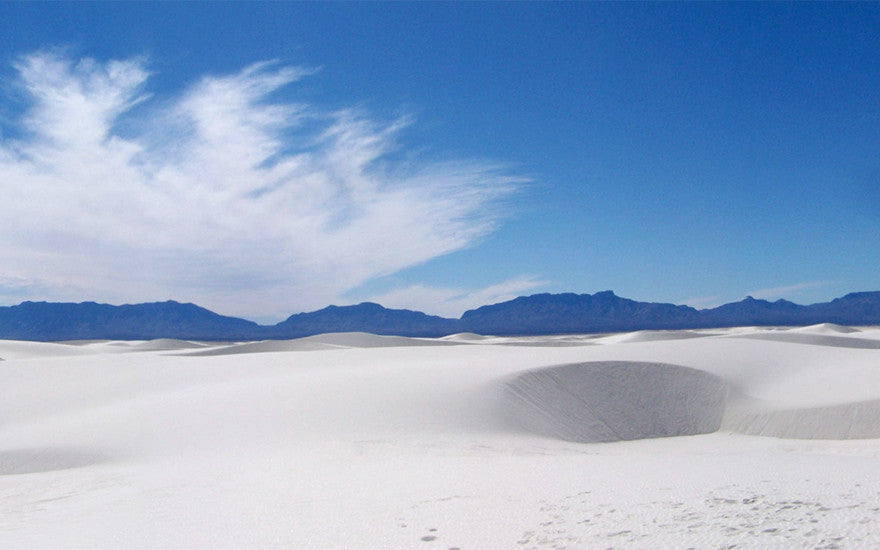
(825,328)
(358,441)
(651,336)
(614,401)
(339,340)
(620,401)
(817,339)
(857,420)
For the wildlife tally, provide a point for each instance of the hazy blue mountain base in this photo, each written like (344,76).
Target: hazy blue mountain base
(528,315)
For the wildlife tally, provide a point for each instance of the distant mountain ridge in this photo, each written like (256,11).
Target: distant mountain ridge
(47,321)
(536,314)
(571,313)
(365,317)
(606,312)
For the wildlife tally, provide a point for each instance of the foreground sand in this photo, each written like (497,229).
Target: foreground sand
(358,441)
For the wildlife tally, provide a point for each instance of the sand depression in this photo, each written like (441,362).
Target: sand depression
(613,401)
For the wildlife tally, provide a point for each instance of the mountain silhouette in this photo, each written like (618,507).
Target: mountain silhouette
(536,314)
(47,321)
(570,313)
(365,317)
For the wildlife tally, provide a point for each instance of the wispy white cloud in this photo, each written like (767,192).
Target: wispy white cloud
(783,291)
(452,302)
(223,194)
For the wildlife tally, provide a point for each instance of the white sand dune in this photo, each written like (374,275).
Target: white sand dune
(12,349)
(619,401)
(858,420)
(30,461)
(266,346)
(125,343)
(160,344)
(359,441)
(535,341)
(465,337)
(614,401)
(652,336)
(816,339)
(826,328)
(872,333)
(337,340)
(366,340)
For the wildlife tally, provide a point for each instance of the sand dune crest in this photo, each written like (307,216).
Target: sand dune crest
(335,340)
(652,336)
(825,328)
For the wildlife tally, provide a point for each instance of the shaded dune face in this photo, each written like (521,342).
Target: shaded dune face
(30,461)
(816,340)
(859,420)
(615,401)
(333,340)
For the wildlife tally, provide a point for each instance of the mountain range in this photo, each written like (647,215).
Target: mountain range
(536,314)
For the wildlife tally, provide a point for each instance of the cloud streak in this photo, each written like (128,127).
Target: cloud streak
(222,194)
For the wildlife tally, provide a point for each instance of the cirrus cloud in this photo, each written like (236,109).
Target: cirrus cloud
(222,194)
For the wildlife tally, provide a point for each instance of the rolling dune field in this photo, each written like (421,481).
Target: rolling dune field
(746,437)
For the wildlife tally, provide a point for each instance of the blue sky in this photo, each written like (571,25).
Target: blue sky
(265,159)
